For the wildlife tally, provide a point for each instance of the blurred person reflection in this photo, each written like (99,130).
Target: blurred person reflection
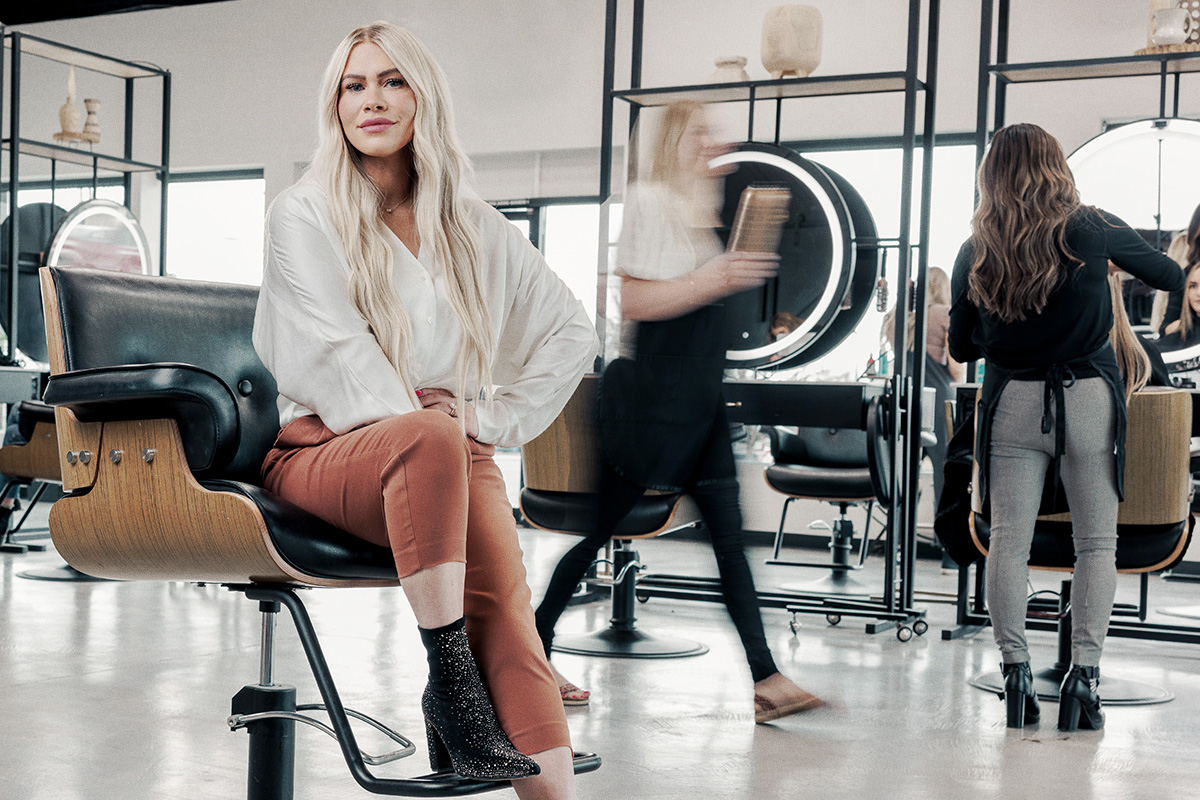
(1169,306)
(662,422)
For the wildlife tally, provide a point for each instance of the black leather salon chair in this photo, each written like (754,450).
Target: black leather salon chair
(1154,528)
(845,467)
(164,416)
(560,473)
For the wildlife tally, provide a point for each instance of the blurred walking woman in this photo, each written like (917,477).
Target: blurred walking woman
(1031,295)
(410,329)
(661,418)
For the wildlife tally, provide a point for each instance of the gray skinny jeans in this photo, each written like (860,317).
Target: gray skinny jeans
(1020,457)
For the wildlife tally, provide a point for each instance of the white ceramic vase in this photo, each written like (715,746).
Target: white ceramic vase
(729,70)
(791,41)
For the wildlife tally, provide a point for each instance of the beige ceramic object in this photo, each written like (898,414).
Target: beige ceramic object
(729,69)
(91,127)
(791,41)
(69,116)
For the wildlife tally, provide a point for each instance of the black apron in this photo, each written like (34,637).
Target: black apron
(1103,364)
(658,410)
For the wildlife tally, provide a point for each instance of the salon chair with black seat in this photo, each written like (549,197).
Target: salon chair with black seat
(1154,528)
(560,474)
(827,464)
(164,416)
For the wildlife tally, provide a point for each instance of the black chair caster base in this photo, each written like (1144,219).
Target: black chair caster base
(617,643)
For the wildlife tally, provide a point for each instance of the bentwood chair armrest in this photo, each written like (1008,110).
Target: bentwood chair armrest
(198,400)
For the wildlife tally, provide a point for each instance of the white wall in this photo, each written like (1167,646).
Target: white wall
(527,74)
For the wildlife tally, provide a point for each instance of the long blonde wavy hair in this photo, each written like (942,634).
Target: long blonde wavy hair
(442,201)
(1027,196)
(1131,357)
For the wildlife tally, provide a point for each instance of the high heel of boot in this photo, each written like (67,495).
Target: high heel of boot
(460,723)
(1079,700)
(1019,696)
(439,756)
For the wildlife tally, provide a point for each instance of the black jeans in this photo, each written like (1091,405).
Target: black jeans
(715,492)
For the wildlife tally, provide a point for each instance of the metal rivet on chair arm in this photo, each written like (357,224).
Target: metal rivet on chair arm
(148,455)
(85,456)
(71,457)
(115,456)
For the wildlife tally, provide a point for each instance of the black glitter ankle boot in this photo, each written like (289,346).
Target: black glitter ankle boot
(460,723)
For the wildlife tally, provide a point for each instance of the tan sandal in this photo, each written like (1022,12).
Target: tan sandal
(765,710)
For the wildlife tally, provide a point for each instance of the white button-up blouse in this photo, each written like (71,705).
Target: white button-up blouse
(326,361)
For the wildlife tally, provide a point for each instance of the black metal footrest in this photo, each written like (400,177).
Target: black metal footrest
(407,748)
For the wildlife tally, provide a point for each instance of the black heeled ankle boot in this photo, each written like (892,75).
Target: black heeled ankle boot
(1019,696)
(1079,700)
(460,723)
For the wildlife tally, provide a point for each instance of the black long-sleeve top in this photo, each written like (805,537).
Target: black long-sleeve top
(1078,314)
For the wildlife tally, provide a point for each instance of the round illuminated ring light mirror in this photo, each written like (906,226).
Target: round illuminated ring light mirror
(1145,173)
(103,235)
(829,260)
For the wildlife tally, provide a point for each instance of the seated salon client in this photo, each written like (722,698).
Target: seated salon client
(1031,294)
(411,329)
(661,419)
(1170,308)
(1184,330)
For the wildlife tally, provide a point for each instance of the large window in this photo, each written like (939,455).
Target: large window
(215,226)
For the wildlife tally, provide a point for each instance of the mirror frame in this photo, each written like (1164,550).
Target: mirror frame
(847,253)
(92,208)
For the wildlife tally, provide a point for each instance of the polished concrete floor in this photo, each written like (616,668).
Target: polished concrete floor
(120,691)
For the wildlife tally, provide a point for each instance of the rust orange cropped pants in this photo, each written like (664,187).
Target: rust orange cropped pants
(416,484)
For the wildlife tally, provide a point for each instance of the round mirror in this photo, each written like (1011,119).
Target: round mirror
(103,235)
(829,262)
(1145,173)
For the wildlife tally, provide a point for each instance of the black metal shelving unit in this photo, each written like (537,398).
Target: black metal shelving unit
(995,77)
(895,608)
(994,30)
(21,46)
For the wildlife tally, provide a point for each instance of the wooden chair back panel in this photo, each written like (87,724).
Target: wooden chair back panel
(152,520)
(1158,484)
(36,459)
(563,458)
(73,436)
(1158,481)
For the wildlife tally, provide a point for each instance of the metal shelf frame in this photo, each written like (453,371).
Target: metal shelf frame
(994,29)
(21,45)
(896,604)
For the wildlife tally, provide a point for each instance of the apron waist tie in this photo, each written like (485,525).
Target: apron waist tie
(1058,378)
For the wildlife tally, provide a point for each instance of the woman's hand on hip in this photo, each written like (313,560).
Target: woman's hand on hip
(445,401)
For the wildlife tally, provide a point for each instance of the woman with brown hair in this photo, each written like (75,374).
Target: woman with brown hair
(1031,295)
